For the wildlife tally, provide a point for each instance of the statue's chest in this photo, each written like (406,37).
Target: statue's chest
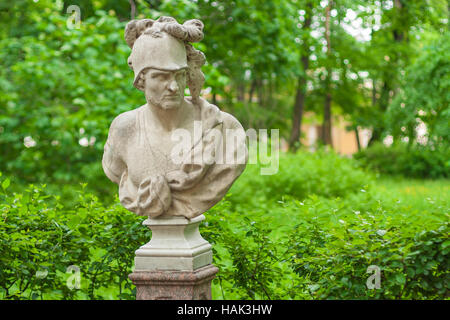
(150,153)
(149,156)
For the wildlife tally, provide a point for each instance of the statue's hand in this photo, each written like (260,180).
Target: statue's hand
(185,178)
(176,179)
(153,196)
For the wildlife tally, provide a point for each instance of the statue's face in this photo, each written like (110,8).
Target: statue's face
(165,89)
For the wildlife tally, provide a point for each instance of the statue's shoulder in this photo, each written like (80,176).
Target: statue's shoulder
(228,120)
(125,123)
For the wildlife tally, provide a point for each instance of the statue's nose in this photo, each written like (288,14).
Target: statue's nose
(173,86)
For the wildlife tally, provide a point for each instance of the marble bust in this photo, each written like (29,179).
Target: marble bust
(176,155)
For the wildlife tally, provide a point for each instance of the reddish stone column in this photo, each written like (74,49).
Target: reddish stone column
(174,285)
(177,262)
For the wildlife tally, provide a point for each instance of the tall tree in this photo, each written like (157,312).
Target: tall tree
(300,94)
(402,25)
(326,126)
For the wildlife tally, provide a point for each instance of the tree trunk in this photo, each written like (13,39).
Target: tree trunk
(298,114)
(300,95)
(241,92)
(383,103)
(400,35)
(260,92)
(326,127)
(252,90)
(374,94)
(270,95)
(133,9)
(358,142)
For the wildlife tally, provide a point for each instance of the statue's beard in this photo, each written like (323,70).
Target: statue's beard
(166,102)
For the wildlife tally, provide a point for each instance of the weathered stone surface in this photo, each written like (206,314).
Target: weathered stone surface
(173,158)
(174,285)
(176,244)
(175,155)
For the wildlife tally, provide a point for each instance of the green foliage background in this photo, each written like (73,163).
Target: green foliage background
(308,232)
(268,243)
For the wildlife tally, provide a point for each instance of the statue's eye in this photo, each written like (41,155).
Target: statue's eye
(181,74)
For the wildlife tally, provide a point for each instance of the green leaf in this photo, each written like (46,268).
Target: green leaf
(445,244)
(400,278)
(313,287)
(6,183)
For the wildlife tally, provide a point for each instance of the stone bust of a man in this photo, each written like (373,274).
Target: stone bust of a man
(159,174)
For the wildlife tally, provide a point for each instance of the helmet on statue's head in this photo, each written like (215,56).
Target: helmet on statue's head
(157,50)
(164,44)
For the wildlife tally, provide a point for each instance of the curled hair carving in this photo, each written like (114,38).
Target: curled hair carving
(189,31)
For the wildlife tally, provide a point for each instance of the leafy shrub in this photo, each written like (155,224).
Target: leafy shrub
(299,175)
(249,259)
(267,244)
(334,250)
(49,94)
(40,239)
(425,96)
(399,159)
(319,246)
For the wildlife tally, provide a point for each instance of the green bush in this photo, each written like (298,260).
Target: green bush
(334,242)
(249,257)
(40,239)
(320,248)
(424,97)
(315,243)
(304,173)
(272,242)
(414,162)
(63,87)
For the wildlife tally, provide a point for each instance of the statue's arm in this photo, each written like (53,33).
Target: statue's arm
(112,162)
(235,149)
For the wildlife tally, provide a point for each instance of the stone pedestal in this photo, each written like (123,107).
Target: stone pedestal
(176,263)
(174,285)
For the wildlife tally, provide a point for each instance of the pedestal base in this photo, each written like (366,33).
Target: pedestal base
(176,244)
(174,285)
